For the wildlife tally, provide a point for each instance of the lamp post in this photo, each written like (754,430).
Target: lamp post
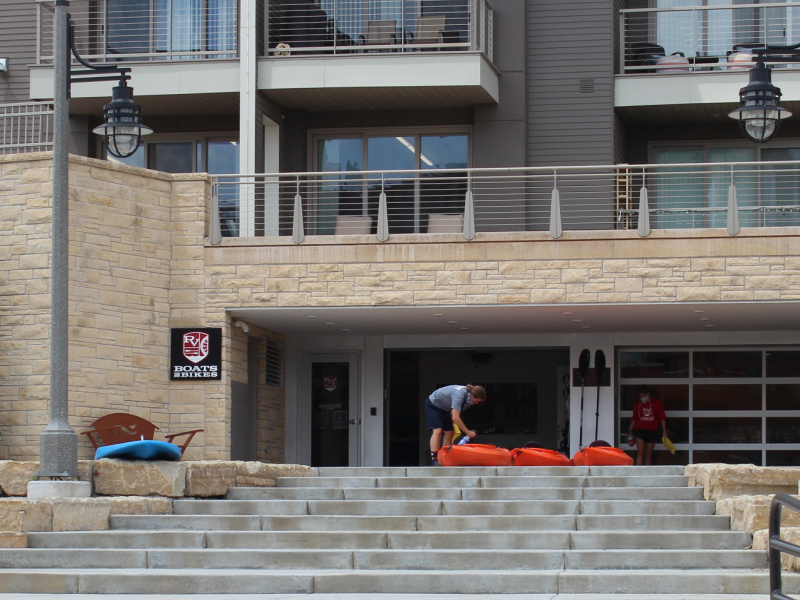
(58,446)
(760,112)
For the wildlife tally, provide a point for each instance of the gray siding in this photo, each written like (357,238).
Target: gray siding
(18,44)
(570,82)
(499,133)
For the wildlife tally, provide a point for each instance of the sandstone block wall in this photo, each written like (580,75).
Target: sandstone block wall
(726,481)
(137,268)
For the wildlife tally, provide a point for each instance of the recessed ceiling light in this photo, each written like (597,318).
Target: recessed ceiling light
(311,316)
(345,330)
(566,313)
(329,324)
(577,320)
(438,314)
(465,329)
(710,325)
(453,322)
(586,326)
(704,319)
(699,311)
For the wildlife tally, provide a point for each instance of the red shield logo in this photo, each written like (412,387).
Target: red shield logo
(329,383)
(195,345)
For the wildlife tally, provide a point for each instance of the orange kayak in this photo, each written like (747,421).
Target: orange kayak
(474,455)
(539,457)
(601,456)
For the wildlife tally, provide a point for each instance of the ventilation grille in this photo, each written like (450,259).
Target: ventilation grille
(586,86)
(274,363)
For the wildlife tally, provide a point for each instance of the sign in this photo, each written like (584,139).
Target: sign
(196,353)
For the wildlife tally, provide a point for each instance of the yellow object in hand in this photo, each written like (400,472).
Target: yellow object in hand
(668,444)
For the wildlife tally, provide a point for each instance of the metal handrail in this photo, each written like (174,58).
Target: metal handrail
(777,545)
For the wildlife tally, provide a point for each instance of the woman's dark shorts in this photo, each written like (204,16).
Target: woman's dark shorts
(650,436)
(437,418)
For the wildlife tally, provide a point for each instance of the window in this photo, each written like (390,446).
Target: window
(410,199)
(723,404)
(169,26)
(689,197)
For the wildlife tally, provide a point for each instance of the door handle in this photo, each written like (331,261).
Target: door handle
(355,421)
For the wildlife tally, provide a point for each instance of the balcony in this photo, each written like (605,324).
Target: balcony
(141,30)
(700,55)
(360,55)
(379,204)
(26,127)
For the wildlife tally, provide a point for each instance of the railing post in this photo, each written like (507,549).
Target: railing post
(469,211)
(555,210)
(298,229)
(383,215)
(643,227)
(733,208)
(215,235)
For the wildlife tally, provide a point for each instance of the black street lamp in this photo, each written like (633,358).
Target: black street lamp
(760,112)
(58,444)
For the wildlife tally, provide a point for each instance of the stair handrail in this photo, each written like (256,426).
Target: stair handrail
(777,545)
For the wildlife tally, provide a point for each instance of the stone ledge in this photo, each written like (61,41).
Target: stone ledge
(789,534)
(751,513)
(23,515)
(726,481)
(15,475)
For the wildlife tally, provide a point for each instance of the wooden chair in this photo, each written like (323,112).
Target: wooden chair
(116,428)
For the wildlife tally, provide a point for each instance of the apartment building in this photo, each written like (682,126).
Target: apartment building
(405,194)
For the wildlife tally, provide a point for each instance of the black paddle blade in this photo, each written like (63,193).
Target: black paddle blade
(583,362)
(599,364)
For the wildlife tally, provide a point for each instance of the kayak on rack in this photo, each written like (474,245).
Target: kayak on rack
(539,457)
(474,455)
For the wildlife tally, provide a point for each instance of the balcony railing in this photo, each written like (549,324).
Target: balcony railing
(26,127)
(309,27)
(118,30)
(553,199)
(707,38)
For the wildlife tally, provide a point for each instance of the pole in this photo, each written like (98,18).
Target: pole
(58,445)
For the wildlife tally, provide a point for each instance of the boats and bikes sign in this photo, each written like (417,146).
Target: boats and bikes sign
(196,353)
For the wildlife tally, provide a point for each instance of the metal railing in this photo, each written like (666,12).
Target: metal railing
(777,545)
(702,38)
(307,27)
(115,30)
(470,201)
(26,127)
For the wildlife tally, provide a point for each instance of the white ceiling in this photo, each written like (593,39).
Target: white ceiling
(587,318)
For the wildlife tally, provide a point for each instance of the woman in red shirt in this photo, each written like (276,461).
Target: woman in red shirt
(648,414)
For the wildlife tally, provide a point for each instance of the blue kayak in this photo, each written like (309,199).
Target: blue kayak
(140,450)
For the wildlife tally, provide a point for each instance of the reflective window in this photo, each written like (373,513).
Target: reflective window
(727,397)
(654,364)
(717,363)
(783,396)
(783,363)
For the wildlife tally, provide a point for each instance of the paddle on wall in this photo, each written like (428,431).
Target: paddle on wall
(583,369)
(599,371)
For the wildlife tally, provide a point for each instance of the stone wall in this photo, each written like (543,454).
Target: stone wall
(512,268)
(137,269)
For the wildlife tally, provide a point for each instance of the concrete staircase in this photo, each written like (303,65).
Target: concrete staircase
(536,532)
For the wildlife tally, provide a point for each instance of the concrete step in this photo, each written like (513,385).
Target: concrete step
(451,559)
(487,471)
(647,507)
(187,522)
(233,581)
(647,522)
(433,482)
(579,540)
(445,507)
(646,493)
(619,481)
(374,507)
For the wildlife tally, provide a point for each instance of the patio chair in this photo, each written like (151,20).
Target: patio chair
(117,428)
(381,33)
(430,30)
